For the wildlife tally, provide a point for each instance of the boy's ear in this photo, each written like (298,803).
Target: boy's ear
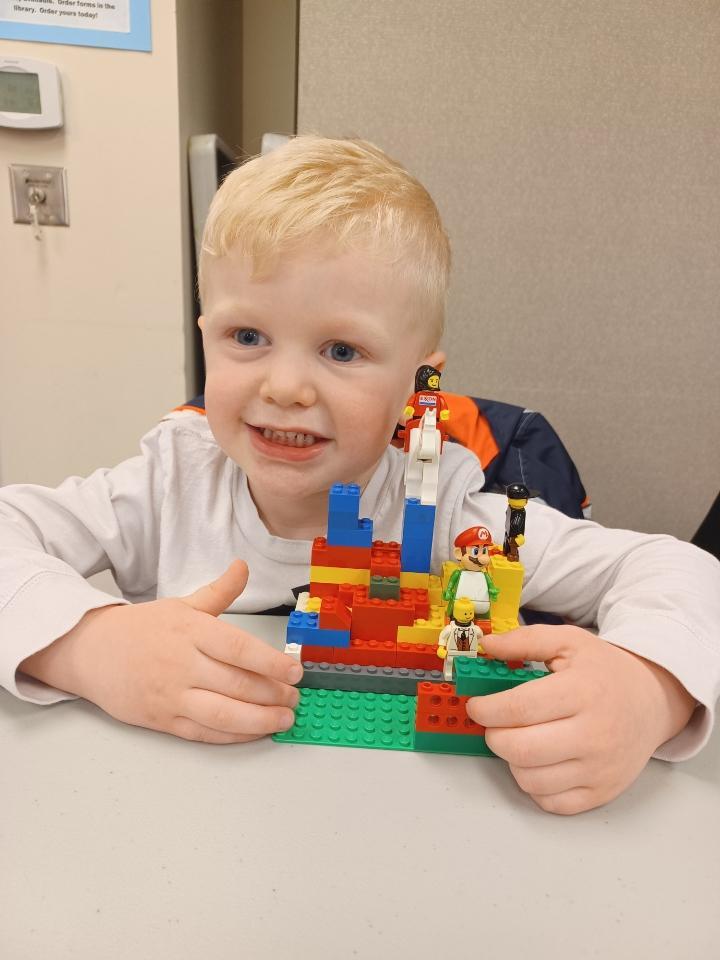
(437,360)
(201,321)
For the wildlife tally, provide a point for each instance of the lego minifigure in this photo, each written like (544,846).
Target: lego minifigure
(461,637)
(427,397)
(472,552)
(424,435)
(518,496)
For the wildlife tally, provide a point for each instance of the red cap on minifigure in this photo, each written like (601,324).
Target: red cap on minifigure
(474,537)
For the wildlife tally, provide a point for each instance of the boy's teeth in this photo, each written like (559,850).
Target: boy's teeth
(291,439)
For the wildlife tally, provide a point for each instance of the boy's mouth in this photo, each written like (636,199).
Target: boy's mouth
(288,438)
(286,444)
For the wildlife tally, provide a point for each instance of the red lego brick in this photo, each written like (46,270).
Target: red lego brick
(367,653)
(385,559)
(441,710)
(420,598)
(317,654)
(324,589)
(346,593)
(334,615)
(325,554)
(418,656)
(379,619)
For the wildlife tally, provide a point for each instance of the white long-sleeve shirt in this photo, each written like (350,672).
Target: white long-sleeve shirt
(173,518)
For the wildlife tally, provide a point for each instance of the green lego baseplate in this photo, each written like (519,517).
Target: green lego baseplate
(386,721)
(349,718)
(477,677)
(380,721)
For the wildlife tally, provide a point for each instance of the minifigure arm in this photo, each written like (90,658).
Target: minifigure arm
(450,590)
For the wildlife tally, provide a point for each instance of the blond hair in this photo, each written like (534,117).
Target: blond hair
(348,191)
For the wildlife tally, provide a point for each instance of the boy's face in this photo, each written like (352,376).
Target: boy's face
(309,367)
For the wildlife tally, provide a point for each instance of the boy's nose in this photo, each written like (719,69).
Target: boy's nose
(287,384)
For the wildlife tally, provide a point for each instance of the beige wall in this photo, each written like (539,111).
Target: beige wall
(573,149)
(94,320)
(269,69)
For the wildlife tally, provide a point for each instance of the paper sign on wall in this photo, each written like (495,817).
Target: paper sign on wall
(123,24)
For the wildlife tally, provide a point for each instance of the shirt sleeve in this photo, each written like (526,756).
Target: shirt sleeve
(653,595)
(51,540)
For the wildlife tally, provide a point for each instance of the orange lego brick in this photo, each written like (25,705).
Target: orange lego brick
(418,656)
(379,619)
(346,593)
(317,654)
(367,653)
(334,615)
(327,555)
(385,559)
(441,710)
(318,589)
(420,598)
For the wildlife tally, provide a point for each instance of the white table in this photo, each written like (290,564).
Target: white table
(118,842)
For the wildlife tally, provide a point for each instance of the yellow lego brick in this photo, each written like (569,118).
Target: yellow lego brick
(508,578)
(503,625)
(415,580)
(424,631)
(435,591)
(313,604)
(447,569)
(340,575)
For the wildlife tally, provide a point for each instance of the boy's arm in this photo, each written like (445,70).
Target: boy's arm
(652,595)
(52,539)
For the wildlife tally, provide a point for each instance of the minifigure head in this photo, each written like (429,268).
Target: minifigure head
(472,548)
(323,273)
(518,495)
(427,378)
(463,611)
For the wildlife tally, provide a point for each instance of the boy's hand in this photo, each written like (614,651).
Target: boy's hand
(578,738)
(170,665)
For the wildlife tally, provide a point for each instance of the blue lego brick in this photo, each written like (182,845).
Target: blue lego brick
(418,514)
(344,500)
(324,638)
(360,535)
(302,627)
(415,558)
(343,676)
(299,618)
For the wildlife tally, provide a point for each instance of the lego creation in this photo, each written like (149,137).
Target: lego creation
(391,649)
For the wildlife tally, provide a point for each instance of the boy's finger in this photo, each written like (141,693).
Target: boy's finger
(191,730)
(234,716)
(231,645)
(540,642)
(215,597)
(535,746)
(537,701)
(243,685)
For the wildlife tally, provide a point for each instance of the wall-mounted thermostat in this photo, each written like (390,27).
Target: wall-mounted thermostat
(30,95)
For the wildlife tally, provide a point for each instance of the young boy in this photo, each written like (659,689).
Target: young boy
(323,277)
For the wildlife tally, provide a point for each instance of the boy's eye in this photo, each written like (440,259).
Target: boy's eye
(474,552)
(249,337)
(341,352)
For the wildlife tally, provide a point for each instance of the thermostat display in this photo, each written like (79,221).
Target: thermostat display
(30,94)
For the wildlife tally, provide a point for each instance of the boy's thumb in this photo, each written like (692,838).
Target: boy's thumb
(214,598)
(540,642)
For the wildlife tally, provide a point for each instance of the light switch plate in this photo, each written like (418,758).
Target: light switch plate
(53,212)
